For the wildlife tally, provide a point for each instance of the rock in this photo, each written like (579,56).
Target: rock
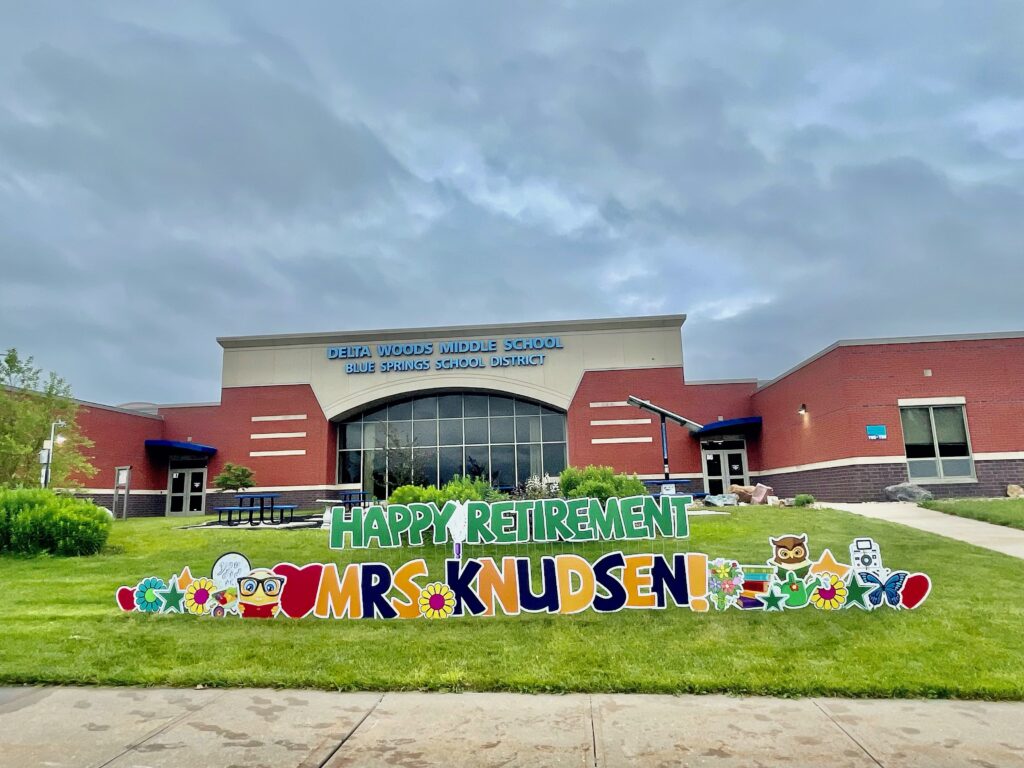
(743,493)
(108,512)
(721,500)
(1015,491)
(761,494)
(907,492)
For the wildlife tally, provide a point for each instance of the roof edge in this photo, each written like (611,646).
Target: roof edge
(894,340)
(394,334)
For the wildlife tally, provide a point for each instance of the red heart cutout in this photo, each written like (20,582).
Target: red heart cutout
(915,590)
(126,598)
(298,596)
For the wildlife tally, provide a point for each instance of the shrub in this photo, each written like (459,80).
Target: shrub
(234,477)
(598,483)
(37,520)
(803,500)
(457,489)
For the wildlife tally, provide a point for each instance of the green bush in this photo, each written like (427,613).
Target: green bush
(36,520)
(457,489)
(598,483)
(803,500)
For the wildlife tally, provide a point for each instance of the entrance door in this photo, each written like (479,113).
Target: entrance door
(186,491)
(725,466)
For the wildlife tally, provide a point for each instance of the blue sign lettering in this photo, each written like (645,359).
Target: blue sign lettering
(458,354)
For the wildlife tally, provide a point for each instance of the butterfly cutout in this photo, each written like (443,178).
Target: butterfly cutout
(889,589)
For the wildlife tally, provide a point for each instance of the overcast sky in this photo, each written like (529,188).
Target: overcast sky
(787,174)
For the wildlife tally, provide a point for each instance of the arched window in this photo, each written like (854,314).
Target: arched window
(428,439)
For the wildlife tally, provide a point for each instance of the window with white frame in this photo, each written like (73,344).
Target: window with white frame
(936,441)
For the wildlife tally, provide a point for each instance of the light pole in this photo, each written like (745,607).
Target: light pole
(54,439)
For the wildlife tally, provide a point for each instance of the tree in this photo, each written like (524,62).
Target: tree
(234,477)
(29,404)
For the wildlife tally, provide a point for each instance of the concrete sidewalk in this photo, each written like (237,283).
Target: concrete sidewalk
(1000,538)
(154,728)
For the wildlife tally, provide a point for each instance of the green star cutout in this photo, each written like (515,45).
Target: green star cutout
(171,597)
(856,593)
(773,600)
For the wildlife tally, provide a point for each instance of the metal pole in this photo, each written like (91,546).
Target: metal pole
(664,445)
(49,455)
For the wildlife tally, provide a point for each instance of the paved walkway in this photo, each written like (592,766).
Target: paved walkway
(1009,541)
(154,728)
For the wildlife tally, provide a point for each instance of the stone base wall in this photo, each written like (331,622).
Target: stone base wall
(155,505)
(867,482)
(139,504)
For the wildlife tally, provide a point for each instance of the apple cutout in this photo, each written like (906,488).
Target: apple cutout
(915,590)
(126,598)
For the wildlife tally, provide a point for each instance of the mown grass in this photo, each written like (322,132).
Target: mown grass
(1008,512)
(60,624)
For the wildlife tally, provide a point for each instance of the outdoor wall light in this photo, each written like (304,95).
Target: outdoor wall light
(802,410)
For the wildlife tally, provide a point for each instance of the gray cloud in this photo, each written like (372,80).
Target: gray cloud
(787,176)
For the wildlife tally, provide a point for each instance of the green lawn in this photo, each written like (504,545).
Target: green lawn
(1009,512)
(60,624)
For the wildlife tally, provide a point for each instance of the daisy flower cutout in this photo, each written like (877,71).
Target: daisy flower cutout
(145,594)
(199,596)
(830,595)
(437,601)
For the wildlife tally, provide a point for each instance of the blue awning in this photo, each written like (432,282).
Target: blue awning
(177,445)
(744,426)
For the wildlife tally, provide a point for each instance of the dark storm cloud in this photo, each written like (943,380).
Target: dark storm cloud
(787,175)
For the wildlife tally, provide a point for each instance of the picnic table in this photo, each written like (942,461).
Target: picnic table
(264,503)
(346,500)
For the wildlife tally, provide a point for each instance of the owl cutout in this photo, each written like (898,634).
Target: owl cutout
(790,555)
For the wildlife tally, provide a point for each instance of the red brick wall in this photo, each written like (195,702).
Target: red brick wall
(851,387)
(119,441)
(703,403)
(228,427)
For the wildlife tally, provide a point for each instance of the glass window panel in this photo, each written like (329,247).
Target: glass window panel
(957,468)
(503,429)
(501,406)
(424,408)
(348,467)
(377,414)
(525,408)
(735,461)
(554,458)
(528,462)
(399,434)
(374,435)
(424,466)
(553,426)
(374,473)
(177,503)
(714,465)
(195,502)
(714,487)
(178,482)
(424,433)
(950,431)
(923,468)
(450,431)
(351,435)
(476,405)
(399,467)
(503,466)
(449,406)
(476,431)
(400,411)
(917,432)
(527,429)
(450,464)
(476,461)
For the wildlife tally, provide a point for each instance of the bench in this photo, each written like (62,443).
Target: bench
(282,508)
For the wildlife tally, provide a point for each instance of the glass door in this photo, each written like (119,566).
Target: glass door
(724,467)
(186,491)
